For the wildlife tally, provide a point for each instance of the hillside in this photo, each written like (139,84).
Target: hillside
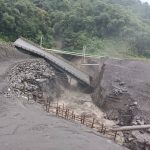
(116,28)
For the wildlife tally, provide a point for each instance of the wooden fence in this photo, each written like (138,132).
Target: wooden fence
(66,113)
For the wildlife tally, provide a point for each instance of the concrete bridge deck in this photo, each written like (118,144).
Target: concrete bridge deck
(56,61)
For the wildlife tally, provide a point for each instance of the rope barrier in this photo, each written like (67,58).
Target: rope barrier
(73,53)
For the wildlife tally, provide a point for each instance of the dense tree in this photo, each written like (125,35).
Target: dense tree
(23,18)
(77,22)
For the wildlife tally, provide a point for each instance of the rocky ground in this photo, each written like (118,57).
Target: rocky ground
(34,79)
(24,124)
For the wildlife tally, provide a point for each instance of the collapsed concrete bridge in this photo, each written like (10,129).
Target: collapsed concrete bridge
(55,60)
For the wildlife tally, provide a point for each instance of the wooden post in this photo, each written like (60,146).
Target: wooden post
(49,104)
(83,119)
(104,132)
(115,136)
(46,106)
(72,114)
(102,128)
(92,126)
(66,114)
(63,110)
(70,80)
(28,97)
(57,110)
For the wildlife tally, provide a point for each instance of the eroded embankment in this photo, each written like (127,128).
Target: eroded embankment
(123,92)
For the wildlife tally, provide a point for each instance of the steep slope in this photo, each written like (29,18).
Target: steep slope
(123,83)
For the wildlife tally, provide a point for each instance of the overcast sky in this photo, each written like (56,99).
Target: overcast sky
(146,1)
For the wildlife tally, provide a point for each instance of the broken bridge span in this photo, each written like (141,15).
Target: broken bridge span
(56,61)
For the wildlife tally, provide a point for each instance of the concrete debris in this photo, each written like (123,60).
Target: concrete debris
(35,79)
(139,122)
(138,141)
(119,91)
(129,115)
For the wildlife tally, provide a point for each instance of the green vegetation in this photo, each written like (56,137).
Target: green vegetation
(117,28)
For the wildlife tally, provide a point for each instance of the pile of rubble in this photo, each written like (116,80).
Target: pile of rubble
(34,79)
(137,140)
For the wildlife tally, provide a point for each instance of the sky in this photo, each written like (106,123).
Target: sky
(146,1)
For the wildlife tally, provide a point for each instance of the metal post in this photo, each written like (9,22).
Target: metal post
(84,53)
(41,41)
